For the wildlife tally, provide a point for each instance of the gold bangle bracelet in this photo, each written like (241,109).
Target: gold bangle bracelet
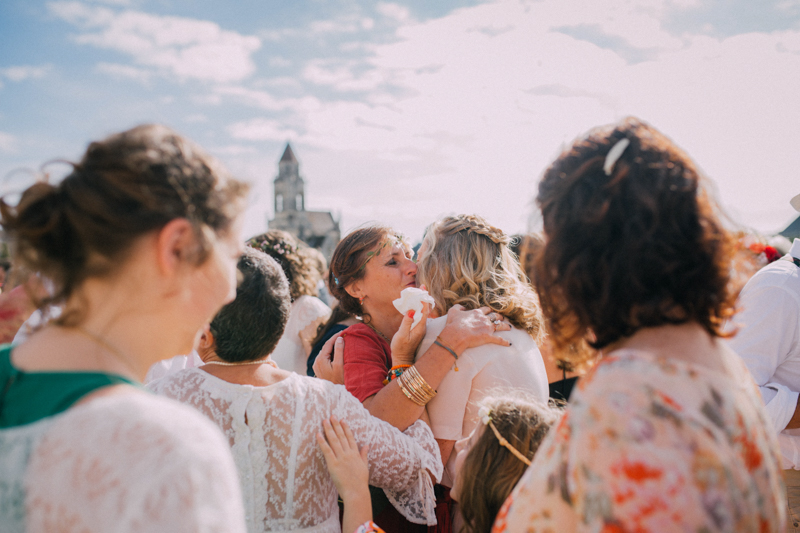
(415,387)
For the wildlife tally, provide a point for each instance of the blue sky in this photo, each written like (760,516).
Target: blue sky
(403,111)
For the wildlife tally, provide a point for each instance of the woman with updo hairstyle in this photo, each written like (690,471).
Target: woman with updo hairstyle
(667,432)
(308,311)
(368,270)
(139,244)
(465,260)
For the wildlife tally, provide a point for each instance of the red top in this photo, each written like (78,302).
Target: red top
(367,360)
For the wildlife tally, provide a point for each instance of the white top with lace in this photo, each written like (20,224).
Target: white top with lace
(125,462)
(293,349)
(272,433)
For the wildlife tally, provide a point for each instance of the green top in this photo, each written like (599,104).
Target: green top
(27,397)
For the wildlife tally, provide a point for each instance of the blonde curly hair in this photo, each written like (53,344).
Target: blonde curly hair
(467,261)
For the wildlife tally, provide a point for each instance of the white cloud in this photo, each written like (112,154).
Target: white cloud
(261,129)
(393,11)
(462,113)
(172,46)
(115,70)
(8,143)
(196,118)
(25,72)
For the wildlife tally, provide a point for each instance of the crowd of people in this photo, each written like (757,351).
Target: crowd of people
(172,375)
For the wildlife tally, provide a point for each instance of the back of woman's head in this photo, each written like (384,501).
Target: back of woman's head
(632,242)
(467,261)
(349,261)
(125,186)
(300,267)
(490,470)
(249,327)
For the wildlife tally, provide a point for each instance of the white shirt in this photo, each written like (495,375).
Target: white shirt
(272,434)
(769,343)
(454,410)
(126,462)
(292,350)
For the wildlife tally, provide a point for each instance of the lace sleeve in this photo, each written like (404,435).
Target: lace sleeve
(133,462)
(399,463)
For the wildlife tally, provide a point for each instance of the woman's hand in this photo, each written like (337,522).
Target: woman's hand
(406,341)
(468,329)
(349,470)
(327,368)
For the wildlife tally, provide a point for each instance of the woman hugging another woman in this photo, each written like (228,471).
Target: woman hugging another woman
(369,269)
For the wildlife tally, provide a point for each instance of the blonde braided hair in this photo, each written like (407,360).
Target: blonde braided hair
(467,261)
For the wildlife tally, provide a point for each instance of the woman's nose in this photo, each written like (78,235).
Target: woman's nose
(411,267)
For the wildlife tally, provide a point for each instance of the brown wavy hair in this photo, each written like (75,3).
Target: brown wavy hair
(467,261)
(641,247)
(299,266)
(349,260)
(490,471)
(125,186)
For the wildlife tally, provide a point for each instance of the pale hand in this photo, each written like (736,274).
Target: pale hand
(468,329)
(406,341)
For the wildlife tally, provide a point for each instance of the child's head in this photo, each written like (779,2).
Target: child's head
(493,458)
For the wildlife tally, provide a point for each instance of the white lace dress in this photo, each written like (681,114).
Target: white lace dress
(293,349)
(127,462)
(272,433)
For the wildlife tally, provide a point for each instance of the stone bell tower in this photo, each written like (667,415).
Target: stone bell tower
(289,193)
(318,229)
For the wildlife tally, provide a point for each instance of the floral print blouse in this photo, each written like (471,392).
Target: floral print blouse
(650,445)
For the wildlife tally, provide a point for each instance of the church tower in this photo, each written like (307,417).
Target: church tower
(318,229)
(289,193)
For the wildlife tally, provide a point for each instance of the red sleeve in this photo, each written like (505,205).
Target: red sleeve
(367,359)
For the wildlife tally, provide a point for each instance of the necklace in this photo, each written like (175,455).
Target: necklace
(111,349)
(379,333)
(260,361)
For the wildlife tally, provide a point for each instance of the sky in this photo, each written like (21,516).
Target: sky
(400,112)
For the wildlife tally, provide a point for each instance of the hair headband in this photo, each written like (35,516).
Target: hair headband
(485,415)
(614,154)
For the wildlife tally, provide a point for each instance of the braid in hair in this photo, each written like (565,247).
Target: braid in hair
(467,261)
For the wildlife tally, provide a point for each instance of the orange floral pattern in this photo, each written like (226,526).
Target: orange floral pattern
(651,445)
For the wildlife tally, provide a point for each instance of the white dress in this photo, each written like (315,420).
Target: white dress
(127,462)
(292,350)
(272,433)
(454,410)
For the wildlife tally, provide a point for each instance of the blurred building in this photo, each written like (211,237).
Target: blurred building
(318,229)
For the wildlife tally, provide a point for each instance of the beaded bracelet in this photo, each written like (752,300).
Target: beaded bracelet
(439,343)
(395,373)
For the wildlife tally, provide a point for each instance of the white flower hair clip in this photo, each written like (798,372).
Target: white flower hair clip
(485,414)
(614,154)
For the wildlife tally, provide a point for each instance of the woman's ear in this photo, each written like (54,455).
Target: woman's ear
(176,242)
(355,290)
(206,344)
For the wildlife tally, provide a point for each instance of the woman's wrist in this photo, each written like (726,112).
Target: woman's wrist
(450,338)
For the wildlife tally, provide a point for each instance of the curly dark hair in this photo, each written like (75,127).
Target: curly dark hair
(298,265)
(249,327)
(641,246)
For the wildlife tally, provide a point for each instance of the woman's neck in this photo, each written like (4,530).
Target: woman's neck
(384,322)
(689,342)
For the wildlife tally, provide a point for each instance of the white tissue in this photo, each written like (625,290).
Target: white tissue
(412,298)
